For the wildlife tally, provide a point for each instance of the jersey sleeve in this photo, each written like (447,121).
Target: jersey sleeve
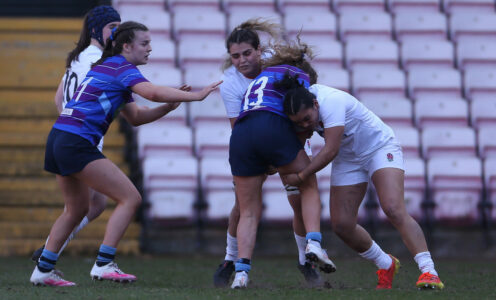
(231,99)
(130,76)
(332,109)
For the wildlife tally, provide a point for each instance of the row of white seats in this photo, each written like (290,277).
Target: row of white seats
(363,24)
(356,54)
(173,186)
(431,110)
(212,139)
(339,6)
(366,82)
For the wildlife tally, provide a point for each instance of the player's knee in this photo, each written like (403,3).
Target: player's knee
(342,227)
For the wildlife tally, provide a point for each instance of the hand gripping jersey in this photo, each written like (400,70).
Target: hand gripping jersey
(261,94)
(99,99)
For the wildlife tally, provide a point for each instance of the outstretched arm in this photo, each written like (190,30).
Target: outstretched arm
(167,94)
(59,96)
(137,115)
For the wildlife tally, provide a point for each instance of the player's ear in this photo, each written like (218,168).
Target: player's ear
(316,103)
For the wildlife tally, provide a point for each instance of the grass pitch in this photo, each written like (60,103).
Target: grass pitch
(174,277)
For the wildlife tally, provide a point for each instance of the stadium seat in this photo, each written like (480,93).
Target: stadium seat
(415,187)
(472,6)
(370,25)
(327,51)
(393,111)
(443,82)
(480,83)
(472,26)
(345,6)
(371,54)
(385,82)
(199,76)
(254,6)
(490,180)
(201,24)
(286,6)
(162,74)
(236,18)
(185,6)
(477,54)
(276,206)
(483,112)
(415,6)
(455,185)
(209,51)
(439,111)
(153,16)
(156,139)
(318,24)
(217,187)
(418,26)
(448,142)
(177,117)
(210,110)
(334,77)
(163,51)
(409,139)
(487,142)
(212,140)
(427,54)
(171,185)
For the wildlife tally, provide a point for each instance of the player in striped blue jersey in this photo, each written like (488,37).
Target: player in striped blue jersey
(262,137)
(71,151)
(97,27)
(246,54)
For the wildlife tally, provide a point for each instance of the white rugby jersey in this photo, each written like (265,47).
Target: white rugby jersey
(232,90)
(364,132)
(78,70)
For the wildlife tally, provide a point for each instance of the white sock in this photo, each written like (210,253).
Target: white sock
(301,242)
(232,248)
(425,263)
(381,259)
(78,228)
(314,242)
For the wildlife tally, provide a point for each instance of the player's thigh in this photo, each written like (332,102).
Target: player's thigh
(389,184)
(75,193)
(105,177)
(295,166)
(345,201)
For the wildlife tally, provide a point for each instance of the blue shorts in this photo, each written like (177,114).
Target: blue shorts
(67,153)
(259,140)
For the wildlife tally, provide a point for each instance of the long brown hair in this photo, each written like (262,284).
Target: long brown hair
(124,34)
(294,53)
(247,32)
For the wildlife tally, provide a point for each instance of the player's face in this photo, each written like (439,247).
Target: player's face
(107,29)
(307,118)
(140,48)
(246,59)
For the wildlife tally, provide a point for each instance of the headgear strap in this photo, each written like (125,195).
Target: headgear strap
(98,18)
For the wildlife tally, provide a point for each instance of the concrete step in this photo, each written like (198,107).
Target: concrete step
(26,247)
(28,103)
(39,230)
(38,139)
(43,214)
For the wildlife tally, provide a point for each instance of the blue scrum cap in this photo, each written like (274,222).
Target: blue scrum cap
(98,18)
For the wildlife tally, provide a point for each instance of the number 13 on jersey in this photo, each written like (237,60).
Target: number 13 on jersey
(262,82)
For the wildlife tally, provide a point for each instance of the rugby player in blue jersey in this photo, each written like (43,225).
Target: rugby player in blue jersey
(72,154)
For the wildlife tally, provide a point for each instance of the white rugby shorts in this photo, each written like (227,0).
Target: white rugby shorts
(349,172)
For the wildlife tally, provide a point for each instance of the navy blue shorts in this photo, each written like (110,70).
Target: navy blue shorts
(67,153)
(259,140)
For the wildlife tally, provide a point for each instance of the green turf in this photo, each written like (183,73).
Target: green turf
(272,278)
